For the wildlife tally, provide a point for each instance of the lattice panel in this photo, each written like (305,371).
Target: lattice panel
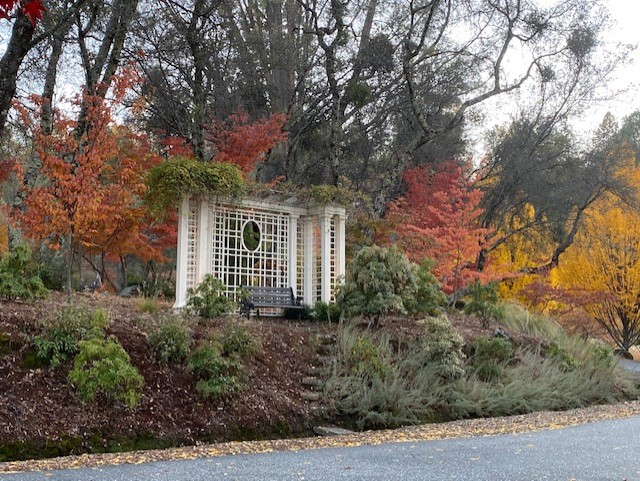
(317,262)
(192,244)
(300,257)
(235,263)
(332,262)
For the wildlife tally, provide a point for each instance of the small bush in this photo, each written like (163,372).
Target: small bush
(59,338)
(366,358)
(490,357)
(18,278)
(562,356)
(329,312)
(102,367)
(379,281)
(429,295)
(442,346)
(208,298)
(171,341)
(495,349)
(485,303)
(237,341)
(217,374)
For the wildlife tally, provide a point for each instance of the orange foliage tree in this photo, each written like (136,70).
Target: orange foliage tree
(91,186)
(437,218)
(244,143)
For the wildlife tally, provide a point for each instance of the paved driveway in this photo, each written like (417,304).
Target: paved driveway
(608,450)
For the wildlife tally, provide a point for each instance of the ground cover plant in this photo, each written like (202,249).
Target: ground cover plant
(387,378)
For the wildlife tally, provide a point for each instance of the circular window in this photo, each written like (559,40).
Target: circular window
(251,236)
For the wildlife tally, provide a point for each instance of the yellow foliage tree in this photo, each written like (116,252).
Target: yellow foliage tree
(602,267)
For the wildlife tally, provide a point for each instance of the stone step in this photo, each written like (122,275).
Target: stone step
(311,396)
(313,382)
(330,431)
(315,371)
(326,361)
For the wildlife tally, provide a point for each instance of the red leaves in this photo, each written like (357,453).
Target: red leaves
(245,143)
(437,218)
(31,8)
(34,10)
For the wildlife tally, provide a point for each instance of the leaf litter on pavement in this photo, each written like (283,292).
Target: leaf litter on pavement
(455,429)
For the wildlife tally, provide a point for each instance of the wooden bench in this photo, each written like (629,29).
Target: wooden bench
(269,297)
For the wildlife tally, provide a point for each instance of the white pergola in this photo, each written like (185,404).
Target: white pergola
(259,242)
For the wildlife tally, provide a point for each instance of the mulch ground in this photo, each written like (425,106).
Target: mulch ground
(38,405)
(457,429)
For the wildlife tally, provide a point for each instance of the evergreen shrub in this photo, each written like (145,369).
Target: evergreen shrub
(60,337)
(102,367)
(19,279)
(171,341)
(208,298)
(379,281)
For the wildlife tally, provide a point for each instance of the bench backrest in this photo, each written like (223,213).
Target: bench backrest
(277,296)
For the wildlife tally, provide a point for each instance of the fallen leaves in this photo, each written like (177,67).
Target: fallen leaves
(456,429)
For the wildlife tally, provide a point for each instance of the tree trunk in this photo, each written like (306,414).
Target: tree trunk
(69,266)
(17,49)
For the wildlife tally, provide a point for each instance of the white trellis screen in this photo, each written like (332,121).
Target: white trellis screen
(258,243)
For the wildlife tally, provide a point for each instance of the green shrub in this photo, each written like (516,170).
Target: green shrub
(379,281)
(429,295)
(102,367)
(217,374)
(171,341)
(485,303)
(208,298)
(442,347)
(565,360)
(237,341)
(59,338)
(329,312)
(494,349)
(490,357)
(18,277)
(366,358)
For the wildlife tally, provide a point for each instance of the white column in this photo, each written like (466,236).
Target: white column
(293,253)
(181,261)
(204,244)
(341,271)
(307,240)
(325,253)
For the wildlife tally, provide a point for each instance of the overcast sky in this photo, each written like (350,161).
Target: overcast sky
(626,15)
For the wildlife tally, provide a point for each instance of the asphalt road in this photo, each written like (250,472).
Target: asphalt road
(608,450)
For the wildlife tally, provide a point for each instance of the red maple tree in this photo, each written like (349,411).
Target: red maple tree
(437,218)
(244,143)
